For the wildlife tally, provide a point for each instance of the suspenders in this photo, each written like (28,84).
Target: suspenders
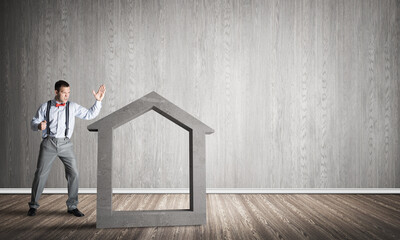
(66,118)
(48,117)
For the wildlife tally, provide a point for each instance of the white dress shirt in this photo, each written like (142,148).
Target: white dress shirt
(57,117)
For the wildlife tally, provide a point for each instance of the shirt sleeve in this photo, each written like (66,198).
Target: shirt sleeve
(39,117)
(87,114)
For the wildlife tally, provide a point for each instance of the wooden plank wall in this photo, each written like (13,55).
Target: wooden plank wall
(301,94)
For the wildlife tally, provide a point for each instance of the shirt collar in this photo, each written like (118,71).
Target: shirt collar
(54,101)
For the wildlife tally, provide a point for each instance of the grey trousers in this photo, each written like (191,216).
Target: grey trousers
(50,148)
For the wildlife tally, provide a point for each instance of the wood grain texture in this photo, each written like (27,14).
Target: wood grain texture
(229,216)
(301,94)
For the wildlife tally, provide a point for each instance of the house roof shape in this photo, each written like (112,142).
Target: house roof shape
(151,101)
(196,214)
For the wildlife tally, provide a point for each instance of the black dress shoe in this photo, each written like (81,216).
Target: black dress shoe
(32,212)
(76,212)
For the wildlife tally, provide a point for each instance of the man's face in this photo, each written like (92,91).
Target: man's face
(63,94)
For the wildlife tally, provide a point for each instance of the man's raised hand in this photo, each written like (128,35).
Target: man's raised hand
(100,94)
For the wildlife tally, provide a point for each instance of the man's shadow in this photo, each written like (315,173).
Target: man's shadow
(22,213)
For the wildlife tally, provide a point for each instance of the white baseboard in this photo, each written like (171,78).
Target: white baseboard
(216,190)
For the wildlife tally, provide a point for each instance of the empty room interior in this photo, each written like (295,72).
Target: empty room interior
(208,119)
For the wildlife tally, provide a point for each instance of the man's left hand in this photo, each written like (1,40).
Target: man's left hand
(100,94)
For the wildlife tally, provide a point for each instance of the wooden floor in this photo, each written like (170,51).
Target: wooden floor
(229,216)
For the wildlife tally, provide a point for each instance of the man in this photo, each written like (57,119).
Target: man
(56,120)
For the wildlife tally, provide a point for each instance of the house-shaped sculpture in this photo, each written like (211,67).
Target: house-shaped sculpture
(196,215)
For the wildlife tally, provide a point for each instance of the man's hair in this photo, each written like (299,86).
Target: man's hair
(59,84)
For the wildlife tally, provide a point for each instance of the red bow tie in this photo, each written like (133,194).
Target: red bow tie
(60,104)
